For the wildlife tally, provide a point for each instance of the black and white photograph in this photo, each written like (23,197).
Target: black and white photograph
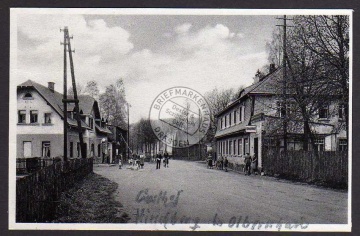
(180,119)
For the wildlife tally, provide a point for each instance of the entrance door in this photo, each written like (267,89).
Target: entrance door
(27,149)
(256,147)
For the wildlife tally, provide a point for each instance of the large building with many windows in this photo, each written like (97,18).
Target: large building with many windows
(40,125)
(254,122)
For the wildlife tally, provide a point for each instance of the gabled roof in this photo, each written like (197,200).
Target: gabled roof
(102,129)
(268,85)
(54,99)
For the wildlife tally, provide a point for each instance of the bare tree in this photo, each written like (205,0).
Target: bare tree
(218,100)
(328,38)
(317,66)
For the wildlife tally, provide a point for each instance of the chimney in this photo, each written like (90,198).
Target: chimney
(272,68)
(51,86)
(257,77)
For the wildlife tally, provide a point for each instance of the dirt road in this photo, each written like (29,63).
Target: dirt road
(189,192)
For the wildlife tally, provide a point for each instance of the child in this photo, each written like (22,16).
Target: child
(120,163)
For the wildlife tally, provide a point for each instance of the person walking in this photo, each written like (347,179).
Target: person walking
(226,162)
(166,160)
(158,161)
(247,161)
(222,163)
(254,164)
(142,162)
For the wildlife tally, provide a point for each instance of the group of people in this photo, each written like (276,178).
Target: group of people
(221,164)
(165,158)
(251,164)
(136,161)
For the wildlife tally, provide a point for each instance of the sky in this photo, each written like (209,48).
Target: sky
(151,53)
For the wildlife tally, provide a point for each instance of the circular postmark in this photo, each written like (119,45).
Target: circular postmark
(180,117)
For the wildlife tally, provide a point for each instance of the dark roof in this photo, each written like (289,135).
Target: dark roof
(102,129)
(54,99)
(269,84)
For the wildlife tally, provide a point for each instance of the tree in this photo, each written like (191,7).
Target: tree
(328,38)
(79,90)
(113,104)
(317,66)
(218,100)
(92,89)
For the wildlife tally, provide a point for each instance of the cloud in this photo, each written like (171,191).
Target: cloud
(183,29)
(202,59)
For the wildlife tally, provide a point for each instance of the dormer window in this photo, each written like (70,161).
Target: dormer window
(28,96)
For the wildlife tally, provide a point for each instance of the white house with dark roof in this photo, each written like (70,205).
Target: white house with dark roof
(257,113)
(40,124)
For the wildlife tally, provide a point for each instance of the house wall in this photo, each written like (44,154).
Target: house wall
(39,104)
(56,144)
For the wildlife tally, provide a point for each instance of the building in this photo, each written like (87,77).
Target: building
(40,124)
(253,123)
(117,142)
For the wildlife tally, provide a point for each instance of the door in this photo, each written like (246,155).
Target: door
(256,147)
(27,149)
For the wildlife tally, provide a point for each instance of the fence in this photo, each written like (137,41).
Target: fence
(37,194)
(29,165)
(329,169)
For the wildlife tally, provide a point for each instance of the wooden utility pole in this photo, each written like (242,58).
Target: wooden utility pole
(65,96)
(128,132)
(75,100)
(284,88)
(284,105)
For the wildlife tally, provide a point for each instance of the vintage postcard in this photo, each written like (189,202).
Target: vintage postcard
(180,119)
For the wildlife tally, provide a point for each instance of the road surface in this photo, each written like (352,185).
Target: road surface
(188,192)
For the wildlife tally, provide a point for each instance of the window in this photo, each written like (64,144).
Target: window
(234,117)
(246,145)
(46,149)
(230,120)
(78,149)
(342,111)
(343,147)
(22,116)
(281,111)
(241,113)
(91,123)
(240,146)
(227,147)
(223,148)
(225,121)
(234,151)
(294,144)
(27,149)
(47,118)
(28,96)
(71,149)
(230,147)
(324,112)
(33,116)
(320,144)
(92,150)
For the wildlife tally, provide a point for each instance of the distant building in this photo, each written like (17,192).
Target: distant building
(117,142)
(253,122)
(40,124)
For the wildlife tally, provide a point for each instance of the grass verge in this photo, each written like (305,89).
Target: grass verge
(90,201)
